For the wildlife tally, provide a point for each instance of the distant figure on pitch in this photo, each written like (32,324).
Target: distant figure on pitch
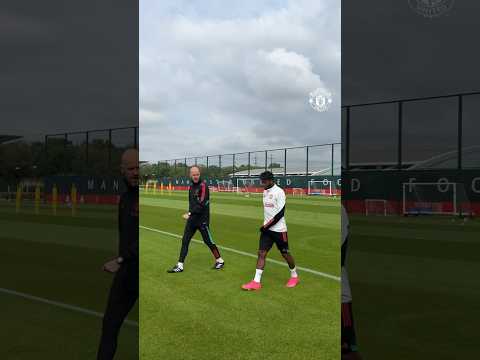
(198,218)
(273,231)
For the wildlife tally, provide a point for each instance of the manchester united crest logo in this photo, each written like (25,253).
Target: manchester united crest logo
(431,8)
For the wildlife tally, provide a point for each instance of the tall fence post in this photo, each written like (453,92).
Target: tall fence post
(233,166)
(306,165)
(460,132)
(87,140)
(400,135)
(333,159)
(220,164)
(347,138)
(110,150)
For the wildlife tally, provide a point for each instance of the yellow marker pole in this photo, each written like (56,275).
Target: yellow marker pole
(73,197)
(37,198)
(54,199)
(18,199)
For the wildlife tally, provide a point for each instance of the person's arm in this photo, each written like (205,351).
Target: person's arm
(202,201)
(279,204)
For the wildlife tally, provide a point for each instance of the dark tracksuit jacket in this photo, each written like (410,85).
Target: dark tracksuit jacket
(199,208)
(199,203)
(124,290)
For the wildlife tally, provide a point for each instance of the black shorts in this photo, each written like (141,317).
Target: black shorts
(268,238)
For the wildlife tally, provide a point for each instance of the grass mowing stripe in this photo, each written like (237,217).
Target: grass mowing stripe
(329,276)
(60,305)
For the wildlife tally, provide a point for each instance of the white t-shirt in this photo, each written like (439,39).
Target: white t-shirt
(273,202)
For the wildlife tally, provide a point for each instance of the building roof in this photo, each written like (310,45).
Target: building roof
(7,138)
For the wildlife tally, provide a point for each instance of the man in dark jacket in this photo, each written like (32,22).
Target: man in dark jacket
(124,290)
(198,218)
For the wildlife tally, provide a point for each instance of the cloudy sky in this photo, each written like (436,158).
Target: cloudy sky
(220,79)
(64,69)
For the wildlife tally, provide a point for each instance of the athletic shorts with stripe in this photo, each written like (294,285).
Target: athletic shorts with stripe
(268,238)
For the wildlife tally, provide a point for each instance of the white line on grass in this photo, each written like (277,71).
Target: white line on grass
(318,273)
(60,305)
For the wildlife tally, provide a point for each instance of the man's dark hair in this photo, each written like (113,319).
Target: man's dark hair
(266,175)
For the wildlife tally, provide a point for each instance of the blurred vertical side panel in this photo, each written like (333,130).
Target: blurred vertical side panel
(411,176)
(68,110)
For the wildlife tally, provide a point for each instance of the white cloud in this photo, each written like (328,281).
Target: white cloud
(224,83)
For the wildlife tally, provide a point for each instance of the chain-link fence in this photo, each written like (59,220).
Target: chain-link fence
(394,148)
(89,152)
(28,156)
(438,132)
(312,160)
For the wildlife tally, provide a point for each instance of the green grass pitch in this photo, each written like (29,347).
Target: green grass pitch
(57,258)
(415,286)
(203,314)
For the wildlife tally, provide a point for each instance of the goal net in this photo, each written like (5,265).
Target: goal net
(249,186)
(323,187)
(441,198)
(298,192)
(376,207)
(225,186)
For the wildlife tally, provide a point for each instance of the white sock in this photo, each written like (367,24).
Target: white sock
(293,272)
(180,265)
(219,260)
(258,275)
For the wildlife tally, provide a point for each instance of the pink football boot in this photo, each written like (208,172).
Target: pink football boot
(292,282)
(252,285)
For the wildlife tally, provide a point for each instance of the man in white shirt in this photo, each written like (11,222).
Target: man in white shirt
(273,231)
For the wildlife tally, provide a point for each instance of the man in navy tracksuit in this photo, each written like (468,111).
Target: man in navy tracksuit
(198,218)
(124,291)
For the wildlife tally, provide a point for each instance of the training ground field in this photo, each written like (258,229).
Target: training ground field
(52,288)
(415,284)
(203,314)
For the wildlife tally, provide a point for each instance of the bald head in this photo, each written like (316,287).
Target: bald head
(195,174)
(129,166)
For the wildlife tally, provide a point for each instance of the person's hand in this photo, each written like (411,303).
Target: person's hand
(111,266)
(186,216)
(262,229)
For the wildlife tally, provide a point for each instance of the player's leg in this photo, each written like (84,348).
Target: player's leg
(208,240)
(348,337)
(266,243)
(281,240)
(349,340)
(120,302)
(188,233)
